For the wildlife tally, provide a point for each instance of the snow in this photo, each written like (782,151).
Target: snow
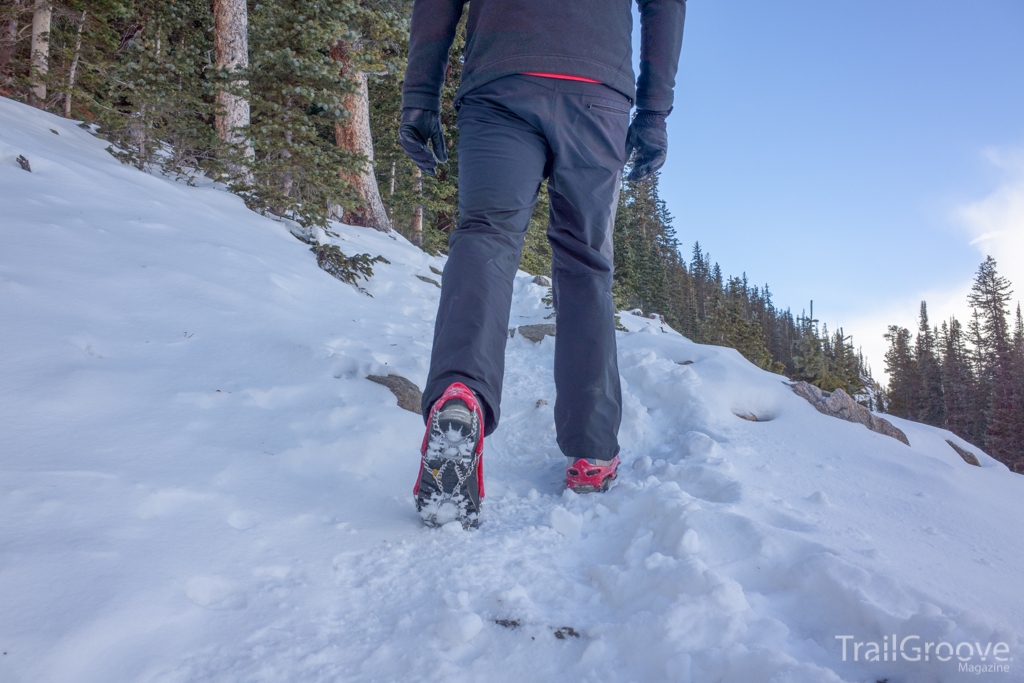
(197,482)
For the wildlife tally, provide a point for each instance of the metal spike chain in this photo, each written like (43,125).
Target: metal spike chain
(439,444)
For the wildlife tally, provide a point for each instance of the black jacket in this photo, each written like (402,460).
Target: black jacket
(589,38)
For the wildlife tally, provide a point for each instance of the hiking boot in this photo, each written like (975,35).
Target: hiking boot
(451,480)
(588,475)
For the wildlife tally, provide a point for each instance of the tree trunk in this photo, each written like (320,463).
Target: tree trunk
(231,53)
(287,179)
(354,135)
(40,51)
(417,211)
(74,66)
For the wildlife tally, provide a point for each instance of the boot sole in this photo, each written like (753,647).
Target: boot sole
(437,507)
(587,488)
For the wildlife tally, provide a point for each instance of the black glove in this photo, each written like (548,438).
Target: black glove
(417,128)
(648,137)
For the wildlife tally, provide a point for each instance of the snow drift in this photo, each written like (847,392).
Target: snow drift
(199,484)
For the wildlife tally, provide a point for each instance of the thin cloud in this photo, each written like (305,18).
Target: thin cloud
(996,221)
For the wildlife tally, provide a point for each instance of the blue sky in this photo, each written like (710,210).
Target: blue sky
(866,155)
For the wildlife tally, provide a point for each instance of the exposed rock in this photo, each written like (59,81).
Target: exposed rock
(541,280)
(969,458)
(23,162)
(430,280)
(541,402)
(839,404)
(408,394)
(536,333)
(435,271)
(808,392)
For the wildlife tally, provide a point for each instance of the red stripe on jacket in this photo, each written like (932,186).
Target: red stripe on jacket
(564,77)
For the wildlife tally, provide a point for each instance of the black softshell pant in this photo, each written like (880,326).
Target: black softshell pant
(513,133)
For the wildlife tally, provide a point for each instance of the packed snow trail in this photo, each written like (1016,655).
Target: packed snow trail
(197,482)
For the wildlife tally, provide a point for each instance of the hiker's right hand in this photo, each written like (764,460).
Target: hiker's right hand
(419,127)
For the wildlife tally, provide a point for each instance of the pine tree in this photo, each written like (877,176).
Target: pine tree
(846,365)
(728,325)
(929,405)
(809,362)
(642,256)
(85,47)
(80,45)
(401,190)
(989,299)
(1016,462)
(902,396)
(11,29)
(957,381)
(157,107)
(297,97)
(700,271)
(980,397)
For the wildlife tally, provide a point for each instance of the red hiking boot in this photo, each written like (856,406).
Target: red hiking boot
(588,476)
(451,480)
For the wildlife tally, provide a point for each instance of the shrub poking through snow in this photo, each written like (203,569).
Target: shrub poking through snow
(346,268)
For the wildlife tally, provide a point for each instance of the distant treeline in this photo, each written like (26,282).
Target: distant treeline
(970,381)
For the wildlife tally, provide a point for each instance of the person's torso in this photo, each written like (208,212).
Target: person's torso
(587,38)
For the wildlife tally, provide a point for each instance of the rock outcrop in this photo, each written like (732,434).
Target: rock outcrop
(408,394)
(839,404)
(430,280)
(536,333)
(969,458)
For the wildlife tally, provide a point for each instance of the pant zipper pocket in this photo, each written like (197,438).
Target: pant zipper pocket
(604,107)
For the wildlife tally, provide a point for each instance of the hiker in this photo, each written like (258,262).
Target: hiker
(546,93)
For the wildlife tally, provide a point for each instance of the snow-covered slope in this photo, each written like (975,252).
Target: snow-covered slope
(197,482)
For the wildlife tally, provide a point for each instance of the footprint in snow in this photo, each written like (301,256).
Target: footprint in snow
(700,444)
(459,627)
(214,592)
